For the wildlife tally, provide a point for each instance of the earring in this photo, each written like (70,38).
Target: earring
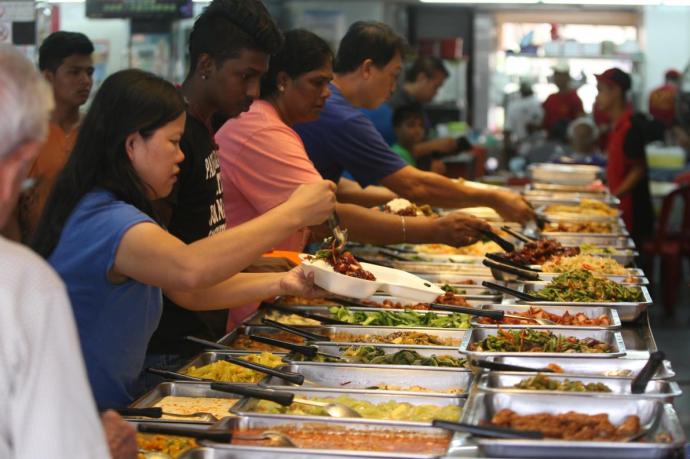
(204,77)
(281,88)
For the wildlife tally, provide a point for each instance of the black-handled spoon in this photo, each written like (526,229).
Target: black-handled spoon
(521,295)
(499,366)
(295,331)
(521,273)
(221,436)
(487,431)
(518,235)
(152,412)
(639,384)
(493,314)
(308,351)
(279,397)
(502,243)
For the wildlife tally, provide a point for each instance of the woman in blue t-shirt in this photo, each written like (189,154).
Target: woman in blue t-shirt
(100,233)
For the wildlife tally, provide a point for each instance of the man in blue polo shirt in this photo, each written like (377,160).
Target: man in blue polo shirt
(344,139)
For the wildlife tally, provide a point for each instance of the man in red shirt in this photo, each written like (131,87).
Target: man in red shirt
(662,101)
(626,167)
(562,107)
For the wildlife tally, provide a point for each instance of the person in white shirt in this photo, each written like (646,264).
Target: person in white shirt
(524,117)
(46,403)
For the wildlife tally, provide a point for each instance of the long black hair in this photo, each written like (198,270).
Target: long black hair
(302,52)
(129,101)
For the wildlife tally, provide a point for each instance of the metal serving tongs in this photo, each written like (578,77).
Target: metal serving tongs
(487,431)
(308,351)
(157,413)
(221,436)
(335,410)
(339,234)
(496,315)
(498,270)
(510,291)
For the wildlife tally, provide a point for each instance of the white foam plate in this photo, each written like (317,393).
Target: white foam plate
(388,280)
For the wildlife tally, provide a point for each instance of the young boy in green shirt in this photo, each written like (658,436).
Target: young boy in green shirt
(408,124)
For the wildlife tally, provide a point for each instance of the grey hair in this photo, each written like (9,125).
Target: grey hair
(26,99)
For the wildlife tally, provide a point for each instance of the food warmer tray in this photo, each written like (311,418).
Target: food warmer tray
(180,389)
(658,389)
(539,197)
(356,330)
(229,338)
(626,257)
(246,406)
(455,280)
(611,368)
(424,351)
(567,217)
(612,338)
(474,297)
(628,281)
(555,187)
(328,375)
(593,311)
(483,406)
(618,241)
(256,320)
(627,311)
(208,357)
(251,422)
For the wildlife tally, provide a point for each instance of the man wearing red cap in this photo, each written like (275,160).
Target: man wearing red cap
(662,101)
(626,167)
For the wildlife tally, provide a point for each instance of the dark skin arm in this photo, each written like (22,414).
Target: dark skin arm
(429,188)
(371,196)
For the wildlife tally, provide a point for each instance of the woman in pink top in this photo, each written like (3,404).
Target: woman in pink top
(263,159)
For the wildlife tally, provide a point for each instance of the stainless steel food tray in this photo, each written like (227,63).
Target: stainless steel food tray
(542,197)
(658,389)
(554,187)
(564,217)
(232,452)
(246,406)
(208,357)
(446,333)
(612,338)
(619,241)
(179,389)
(593,311)
(421,267)
(329,375)
(256,320)
(626,257)
(630,273)
(623,280)
(628,311)
(484,405)
(246,422)
(229,339)
(611,368)
(425,351)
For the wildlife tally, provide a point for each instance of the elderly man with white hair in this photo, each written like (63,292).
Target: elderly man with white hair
(45,400)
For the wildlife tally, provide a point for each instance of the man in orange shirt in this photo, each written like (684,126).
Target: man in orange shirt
(562,107)
(66,63)
(662,101)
